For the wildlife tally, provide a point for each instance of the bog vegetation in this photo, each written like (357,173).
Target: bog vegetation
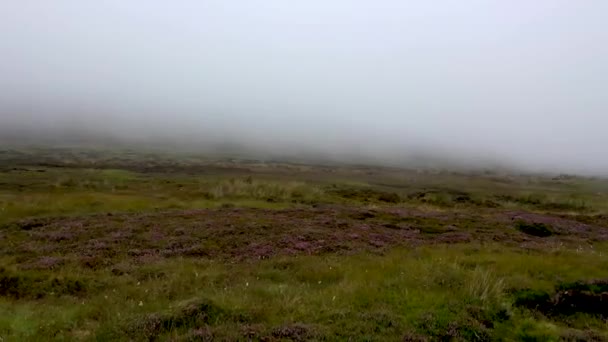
(122,245)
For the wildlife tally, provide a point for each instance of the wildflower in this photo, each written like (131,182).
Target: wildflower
(141,303)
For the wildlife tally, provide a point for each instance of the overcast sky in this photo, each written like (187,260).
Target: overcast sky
(520,81)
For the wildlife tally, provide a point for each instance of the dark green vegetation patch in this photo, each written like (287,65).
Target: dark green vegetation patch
(20,285)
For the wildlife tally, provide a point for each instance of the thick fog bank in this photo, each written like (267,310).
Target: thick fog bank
(517,84)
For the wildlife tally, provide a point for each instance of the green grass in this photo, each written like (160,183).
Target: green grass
(463,291)
(73,192)
(425,291)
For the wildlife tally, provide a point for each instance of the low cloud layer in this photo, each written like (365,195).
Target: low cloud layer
(519,83)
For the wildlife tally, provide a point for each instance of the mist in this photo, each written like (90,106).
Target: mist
(517,83)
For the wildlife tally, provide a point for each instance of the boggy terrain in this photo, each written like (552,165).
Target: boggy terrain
(250,233)
(124,245)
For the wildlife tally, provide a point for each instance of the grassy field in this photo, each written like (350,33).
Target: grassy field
(126,245)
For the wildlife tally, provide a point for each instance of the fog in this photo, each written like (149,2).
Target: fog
(478,82)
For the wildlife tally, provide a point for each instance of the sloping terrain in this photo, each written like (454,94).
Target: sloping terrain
(122,246)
